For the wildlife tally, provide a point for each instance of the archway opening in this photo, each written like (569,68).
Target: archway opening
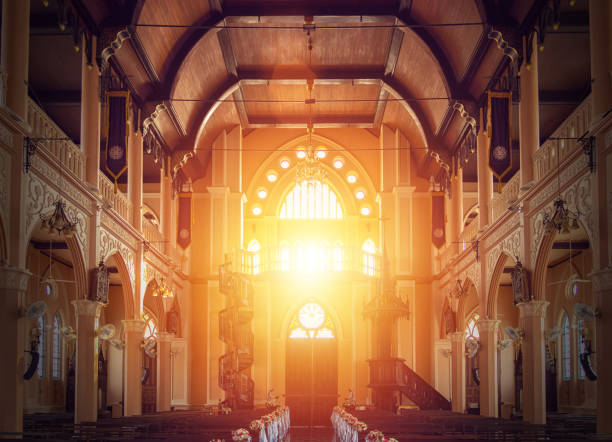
(311,366)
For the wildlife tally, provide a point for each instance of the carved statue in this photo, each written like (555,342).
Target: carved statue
(99,284)
(520,284)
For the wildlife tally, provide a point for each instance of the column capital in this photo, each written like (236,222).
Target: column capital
(84,307)
(13,278)
(218,191)
(532,309)
(458,336)
(164,336)
(134,325)
(602,279)
(488,325)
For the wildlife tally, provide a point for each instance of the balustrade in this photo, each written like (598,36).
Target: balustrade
(118,200)
(469,233)
(55,142)
(152,234)
(509,194)
(563,141)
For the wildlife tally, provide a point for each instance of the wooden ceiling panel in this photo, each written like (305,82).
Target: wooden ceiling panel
(486,70)
(398,117)
(573,49)
(274,46)
(458,42)
(160,42)
(166,126)
(224,117)
(422,79)
(454,129)
(200,77)
(353,46)
(346,92)
(127,58)
(262,99)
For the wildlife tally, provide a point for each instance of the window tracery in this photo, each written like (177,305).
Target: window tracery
(311,199)
(311,322)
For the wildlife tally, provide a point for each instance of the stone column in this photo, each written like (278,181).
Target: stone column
(487,361)
(600,44)
(602,293)
(135,176)
(86,369)
(164,367)
(13,286)
(15,53)
(485,177)
(531,319)
(132,368)
(458,370)
(529,113)
(90,117)
(165,206)
(456,218)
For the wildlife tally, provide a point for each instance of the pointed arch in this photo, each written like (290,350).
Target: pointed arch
(493,292)
(154,303)
(126,285)
(295,308)
(468,302)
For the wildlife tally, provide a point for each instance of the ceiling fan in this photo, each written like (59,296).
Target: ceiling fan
(49,279)
(572,281)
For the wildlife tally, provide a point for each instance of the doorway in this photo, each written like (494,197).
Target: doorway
(311,367)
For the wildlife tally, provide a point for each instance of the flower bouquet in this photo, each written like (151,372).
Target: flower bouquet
(241,435)
(360,426)
(256,424)
(375,436)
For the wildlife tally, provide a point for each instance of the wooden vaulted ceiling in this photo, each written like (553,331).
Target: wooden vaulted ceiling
(197,67)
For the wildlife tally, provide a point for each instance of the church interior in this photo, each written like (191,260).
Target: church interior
(240,219)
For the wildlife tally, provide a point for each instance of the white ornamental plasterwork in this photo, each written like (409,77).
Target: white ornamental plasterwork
(40,200)
(154,261)
(150,273)
(118,230)
(6,136)
(109,245)
(473,273)
(578,199)
(511,245)
(580,165)
(5,183)
(49,174)
(509,225)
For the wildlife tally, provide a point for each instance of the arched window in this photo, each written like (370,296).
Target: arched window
(311,199)
(338,253)
(369,250)
(42,342)
(311,322)
(254,248)
(579,347)
(566,358)
(150,326)
(285,256)
(471,330)
(56,368)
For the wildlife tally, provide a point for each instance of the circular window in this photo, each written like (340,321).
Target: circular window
(311,316)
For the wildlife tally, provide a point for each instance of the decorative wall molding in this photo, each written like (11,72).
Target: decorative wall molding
(510,245)
(13,279)
(40,199)
(109,245)
(532,309)
(578,199)
(130,240)
(5,186)
(6,136)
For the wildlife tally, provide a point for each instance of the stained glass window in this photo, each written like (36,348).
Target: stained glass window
(311,199)
(56,369)
(566,360)
(41,346)
(579,346)
(150,325)
(311,322)
(369,249)
(471,330)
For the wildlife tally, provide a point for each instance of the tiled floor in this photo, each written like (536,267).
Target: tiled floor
(310,434)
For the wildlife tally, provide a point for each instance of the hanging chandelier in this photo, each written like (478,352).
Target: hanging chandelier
(562,219)
(309,168)
(163,290)
(59,221)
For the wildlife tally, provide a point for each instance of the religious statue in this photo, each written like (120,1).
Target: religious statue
(271,399)
(99,284)
(349,402)
(520,284)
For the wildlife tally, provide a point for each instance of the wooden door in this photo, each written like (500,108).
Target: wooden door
(311,380)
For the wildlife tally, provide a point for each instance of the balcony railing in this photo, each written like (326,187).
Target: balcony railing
(509,194)
(117,201)
(308,260)
(54,141)
(562,142)
(469,233)
(152,234)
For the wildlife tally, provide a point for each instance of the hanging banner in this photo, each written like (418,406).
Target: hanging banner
(500,131)
(116,133)
(438,236)
(184,220)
